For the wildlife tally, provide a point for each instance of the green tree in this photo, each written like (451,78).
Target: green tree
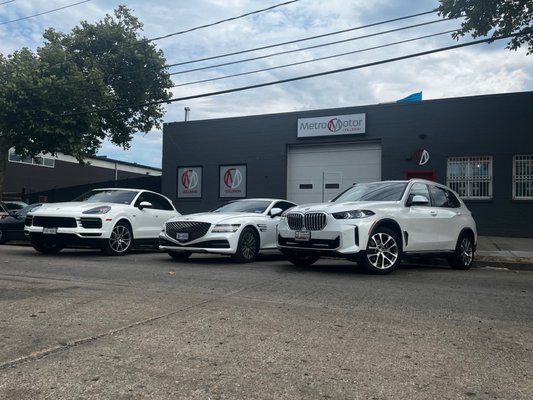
(501,17)
(47,96)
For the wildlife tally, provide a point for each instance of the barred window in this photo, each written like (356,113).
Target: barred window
(470,177)
(36,160)
(523,177)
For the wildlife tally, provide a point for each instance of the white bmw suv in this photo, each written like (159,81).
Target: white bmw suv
(377,224)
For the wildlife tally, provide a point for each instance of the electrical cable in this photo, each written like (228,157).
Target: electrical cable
(317,59)
(293,41)
(310,47)
(7,2)
(43,13)
(222,21)
(275,45)
(193,29)
(278,82)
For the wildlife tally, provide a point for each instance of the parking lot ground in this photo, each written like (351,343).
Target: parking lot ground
(80,325)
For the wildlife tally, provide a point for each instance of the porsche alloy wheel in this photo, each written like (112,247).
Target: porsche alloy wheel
(120,241)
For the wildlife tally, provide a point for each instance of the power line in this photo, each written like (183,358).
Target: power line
(293,41)
(272,46)
(317,59)
(7,2)
(181,32)
(43,13)
(278,82)
(309,47)
(222,21)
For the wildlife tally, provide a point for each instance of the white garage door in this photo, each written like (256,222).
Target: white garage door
(317,173)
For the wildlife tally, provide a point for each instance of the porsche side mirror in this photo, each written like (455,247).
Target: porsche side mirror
(145,204)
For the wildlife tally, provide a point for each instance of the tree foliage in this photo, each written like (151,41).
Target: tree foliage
(493,18)
(48,97)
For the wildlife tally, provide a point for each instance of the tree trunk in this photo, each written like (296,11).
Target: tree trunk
(4,149)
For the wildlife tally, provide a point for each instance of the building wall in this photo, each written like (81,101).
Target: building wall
(67,172)
(497,125)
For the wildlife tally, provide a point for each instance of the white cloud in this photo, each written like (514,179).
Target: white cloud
(469,71)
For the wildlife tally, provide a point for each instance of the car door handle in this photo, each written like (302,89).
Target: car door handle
(433,213)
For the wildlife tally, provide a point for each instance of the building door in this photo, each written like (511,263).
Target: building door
(318,173)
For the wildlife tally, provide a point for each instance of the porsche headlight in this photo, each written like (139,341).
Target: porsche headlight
(219,228)
(98,210)
(353,214)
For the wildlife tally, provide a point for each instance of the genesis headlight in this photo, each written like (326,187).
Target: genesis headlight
(98,210)
(352,214)
(226,228)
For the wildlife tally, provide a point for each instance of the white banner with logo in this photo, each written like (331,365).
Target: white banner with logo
(232,181)
(189,183)
(353,124)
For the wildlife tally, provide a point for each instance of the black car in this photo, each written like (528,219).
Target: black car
(12,226)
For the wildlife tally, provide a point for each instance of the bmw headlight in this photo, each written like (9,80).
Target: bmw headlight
(220,228)
(98,210)
(353,214)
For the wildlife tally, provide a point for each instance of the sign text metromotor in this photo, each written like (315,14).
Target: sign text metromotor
(333,125)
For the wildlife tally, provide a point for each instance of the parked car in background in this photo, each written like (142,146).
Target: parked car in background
(14,205)
(12,227)
(379,223)
(240,228)
(111,219)
(4,211)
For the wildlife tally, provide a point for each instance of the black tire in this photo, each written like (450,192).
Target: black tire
(463,257)
(179,255)
(302,260)
(46,246)
(120,241)
(248,246)
(383,252)
(3,238)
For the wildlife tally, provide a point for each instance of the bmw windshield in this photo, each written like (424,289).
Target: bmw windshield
(376,191)
(108,196)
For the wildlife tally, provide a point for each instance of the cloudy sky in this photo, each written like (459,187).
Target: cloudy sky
(472,70)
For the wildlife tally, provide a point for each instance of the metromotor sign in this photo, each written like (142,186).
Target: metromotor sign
(353,124)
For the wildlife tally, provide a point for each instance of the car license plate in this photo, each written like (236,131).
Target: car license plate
(49,231)
(303,236)
(182,236)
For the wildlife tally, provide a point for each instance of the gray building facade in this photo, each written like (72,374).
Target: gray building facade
(481,146)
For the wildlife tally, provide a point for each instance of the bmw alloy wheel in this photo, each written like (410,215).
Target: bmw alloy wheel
(383,252)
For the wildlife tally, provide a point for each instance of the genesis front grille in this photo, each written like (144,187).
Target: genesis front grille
(189,229)
(311,221)
(54,222)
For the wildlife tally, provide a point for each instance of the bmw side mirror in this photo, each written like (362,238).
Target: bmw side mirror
(275,212)
(145,204)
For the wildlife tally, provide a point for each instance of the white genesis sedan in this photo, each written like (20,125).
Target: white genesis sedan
(377,224)
(240,228)
(111,219)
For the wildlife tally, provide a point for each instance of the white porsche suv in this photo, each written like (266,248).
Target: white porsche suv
(112,219)
(377,224)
